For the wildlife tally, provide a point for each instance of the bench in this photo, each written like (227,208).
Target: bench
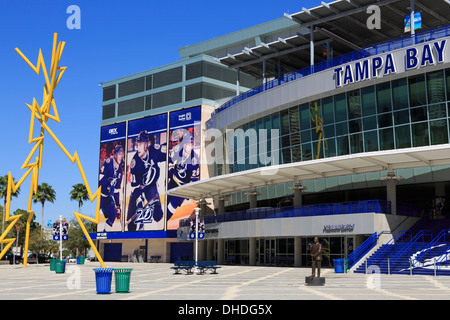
(155,258)
(205,265)
(183,265)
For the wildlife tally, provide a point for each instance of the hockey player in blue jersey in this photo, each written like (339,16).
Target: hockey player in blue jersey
(110,183)
(184,167)
(145,205)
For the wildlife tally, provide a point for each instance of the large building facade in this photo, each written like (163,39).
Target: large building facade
(311,125)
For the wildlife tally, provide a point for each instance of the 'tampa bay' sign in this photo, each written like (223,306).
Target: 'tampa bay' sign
(378,66)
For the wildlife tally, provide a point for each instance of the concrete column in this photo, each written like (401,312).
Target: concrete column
(253,195)
(298,193)
(311,45)
(238,89)
(209,249)
(297,251)
(252,251)
(391,189)
(203,206)
(220,251)
(221,205)
(201,250)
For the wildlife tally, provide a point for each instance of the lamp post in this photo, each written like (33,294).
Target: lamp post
(60,237)
(197,210)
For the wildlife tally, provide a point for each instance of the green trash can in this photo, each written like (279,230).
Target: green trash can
(122,280)
(53,264)
(60,266)
(345,265)
(80,260)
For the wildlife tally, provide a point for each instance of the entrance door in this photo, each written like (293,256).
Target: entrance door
(269,251)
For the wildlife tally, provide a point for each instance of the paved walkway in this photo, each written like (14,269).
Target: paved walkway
(156,281)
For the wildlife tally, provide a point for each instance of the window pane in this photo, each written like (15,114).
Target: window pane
(417,93)
(286,155)
(437,111)
(354,104)
(368,101)
(340,107)
(342,145)
(402,137)
(385,120)
(330,145)
(294,119)
(284,122)
(439,131)
(305,117)
(419,114)
(384,97)
(371,141)
(386,138)
(296,154)
(436,90)
(328,112)
(400,94)
(401,117)
(420,134)
(447,73)
(355,126)
(341,128)
(356,143)
(306,152)
(370,123)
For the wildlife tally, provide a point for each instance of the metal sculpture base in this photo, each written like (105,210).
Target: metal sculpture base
(315,281)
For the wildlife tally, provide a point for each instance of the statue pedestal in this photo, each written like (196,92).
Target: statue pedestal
(315,281)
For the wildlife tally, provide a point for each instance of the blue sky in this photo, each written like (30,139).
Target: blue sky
(117,38)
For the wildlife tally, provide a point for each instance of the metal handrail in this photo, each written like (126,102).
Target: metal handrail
(420,258)
(399,43)
(408,246)
(398,238)
(362,250)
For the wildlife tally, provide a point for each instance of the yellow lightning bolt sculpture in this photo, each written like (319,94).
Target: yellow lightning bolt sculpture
(42,114)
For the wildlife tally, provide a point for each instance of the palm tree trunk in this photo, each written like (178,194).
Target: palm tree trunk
(42,221)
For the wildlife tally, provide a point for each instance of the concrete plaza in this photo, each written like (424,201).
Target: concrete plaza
(156,281)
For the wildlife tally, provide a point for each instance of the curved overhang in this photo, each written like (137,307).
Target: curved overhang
(389,160)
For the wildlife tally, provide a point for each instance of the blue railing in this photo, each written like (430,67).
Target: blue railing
(362,250)
(377,206)
(383,47)
(391,246)
(401,259)
(439,246)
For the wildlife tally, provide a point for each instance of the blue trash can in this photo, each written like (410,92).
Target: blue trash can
(103,279)
(338,265)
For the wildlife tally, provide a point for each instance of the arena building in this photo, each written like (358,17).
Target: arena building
(330,122)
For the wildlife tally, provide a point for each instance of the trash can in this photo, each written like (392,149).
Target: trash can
(338,265)
(53,264)
(345,265)
(103,279)
(80,260)
(122,280)
(60,266)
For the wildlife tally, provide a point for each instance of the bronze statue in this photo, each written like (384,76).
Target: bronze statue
(316,256)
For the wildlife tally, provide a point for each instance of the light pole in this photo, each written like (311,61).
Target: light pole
(197,210)
(60,237)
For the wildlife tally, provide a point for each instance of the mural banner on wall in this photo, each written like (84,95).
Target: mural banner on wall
(112,150)
(146,173)
(184,161)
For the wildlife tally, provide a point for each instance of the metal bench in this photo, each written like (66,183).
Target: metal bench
(155,258)
(183,265)
(203,266)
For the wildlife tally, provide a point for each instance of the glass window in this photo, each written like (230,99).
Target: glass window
(418,114)
(330,148)
(342,145)
(435,84)
(284,122)
(355,126)
(385,120)
(354,104)
(295,139)
(400,94)
(438,131)
(328,111)
(437,111)
(356,143)
(341,128)
(296,154)
(306,152)
(294,119)
(276,121)
(306,136)
(371,141)
(403,137)
(386,138)
(340,107)
(316,114)
(447,73)
(384,97)
(286,155)
(417,92)
(285,141)
(328,131)
(305,117)
(318,149)
(420,134)
(370,123)
(368,101)
(401,117)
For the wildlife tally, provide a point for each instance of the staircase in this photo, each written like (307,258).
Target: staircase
(415,251)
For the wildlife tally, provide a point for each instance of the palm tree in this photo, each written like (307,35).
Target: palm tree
(80,194)
(4,194)
(44,193)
